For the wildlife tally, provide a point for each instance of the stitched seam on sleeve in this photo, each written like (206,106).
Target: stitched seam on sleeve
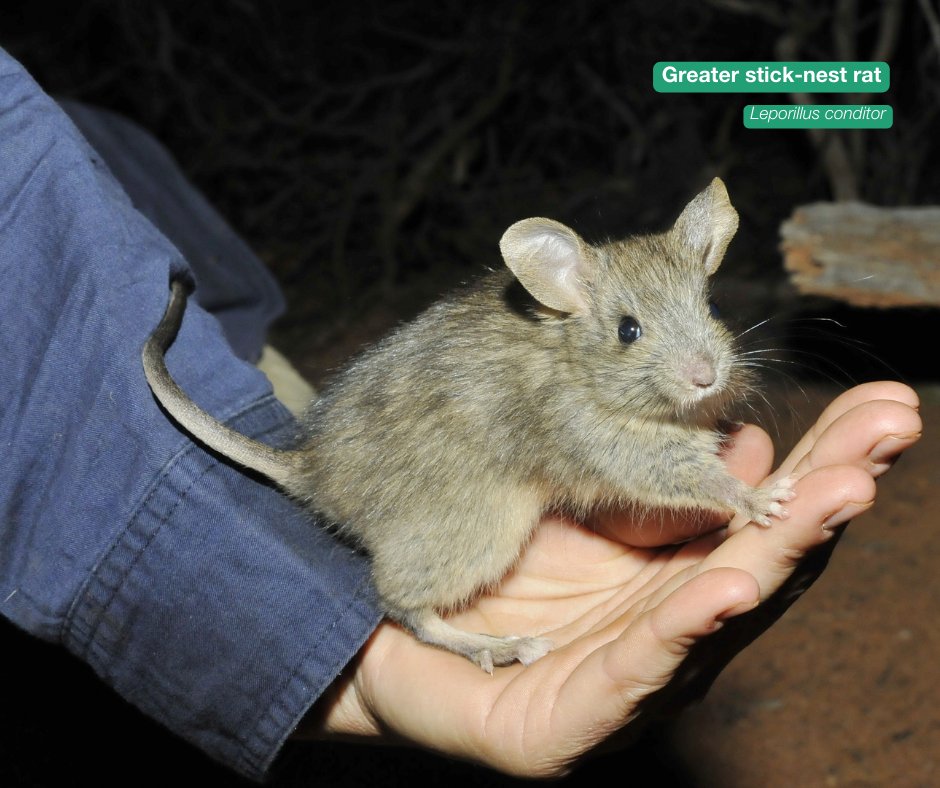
(273,726)
(80,637)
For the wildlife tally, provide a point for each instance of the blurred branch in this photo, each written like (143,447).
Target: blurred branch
(768,11)
(617,105)
(933,22)
(834,156)
(844,30)
(412,188)
(889,28)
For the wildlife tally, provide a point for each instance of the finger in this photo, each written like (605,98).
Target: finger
(602,693)
(871,435)
(749,454)
(826,498)
(853,398)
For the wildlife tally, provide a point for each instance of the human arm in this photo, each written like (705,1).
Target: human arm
(201,595)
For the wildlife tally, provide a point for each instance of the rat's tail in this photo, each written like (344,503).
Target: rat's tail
(278,465)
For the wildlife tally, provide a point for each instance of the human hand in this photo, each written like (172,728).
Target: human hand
(635,618)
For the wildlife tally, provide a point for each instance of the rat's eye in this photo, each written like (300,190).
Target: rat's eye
(629,330)
(713,308)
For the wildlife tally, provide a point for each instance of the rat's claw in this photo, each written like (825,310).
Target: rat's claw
(783,489)
(484,659)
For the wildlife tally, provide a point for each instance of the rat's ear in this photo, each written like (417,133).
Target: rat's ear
(707,225)
(551,262)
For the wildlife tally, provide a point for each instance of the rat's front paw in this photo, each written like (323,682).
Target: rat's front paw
(765,502)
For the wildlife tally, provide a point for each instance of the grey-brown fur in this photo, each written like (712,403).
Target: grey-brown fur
(439,449)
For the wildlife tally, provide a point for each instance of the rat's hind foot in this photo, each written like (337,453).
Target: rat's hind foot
(767,502)
(487,651)
(505,651)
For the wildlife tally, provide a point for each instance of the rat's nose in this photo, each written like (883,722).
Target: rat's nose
(700,372)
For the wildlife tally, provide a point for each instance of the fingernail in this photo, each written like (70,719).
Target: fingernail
(737,610)
(888,449)
(729,426)
(715,625)
(846,513)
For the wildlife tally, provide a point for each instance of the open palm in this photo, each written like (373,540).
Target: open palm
(625,606)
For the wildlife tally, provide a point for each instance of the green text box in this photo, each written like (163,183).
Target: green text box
(818,116)
(772,76)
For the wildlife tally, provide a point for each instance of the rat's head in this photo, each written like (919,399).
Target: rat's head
(640,330)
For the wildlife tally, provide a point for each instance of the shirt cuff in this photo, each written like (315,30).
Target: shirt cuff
(222,609)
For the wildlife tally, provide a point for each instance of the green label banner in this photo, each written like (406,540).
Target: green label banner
(772,76)
(818,116)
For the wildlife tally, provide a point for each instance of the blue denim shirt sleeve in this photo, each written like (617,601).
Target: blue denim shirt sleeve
(198,592)
(233,284)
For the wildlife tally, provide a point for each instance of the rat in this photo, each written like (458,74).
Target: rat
(580,376)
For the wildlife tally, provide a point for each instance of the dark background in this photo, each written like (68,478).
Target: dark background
(374,152)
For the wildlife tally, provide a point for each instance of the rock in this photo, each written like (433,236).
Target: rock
(863,254)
